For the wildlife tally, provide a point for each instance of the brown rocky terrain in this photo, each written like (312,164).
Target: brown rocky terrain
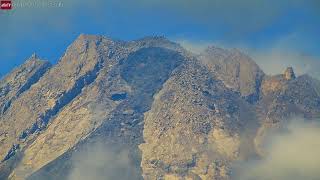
(195,128)
(173,114)
(20,80)
(237,70)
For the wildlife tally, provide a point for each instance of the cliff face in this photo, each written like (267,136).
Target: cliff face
(177,115)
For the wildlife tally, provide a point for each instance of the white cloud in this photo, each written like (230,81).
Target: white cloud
(284,53)
(100,162)
(292,154)
(273,59)
(195,47)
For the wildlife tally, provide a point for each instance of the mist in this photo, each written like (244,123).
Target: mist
(101,162)
(275,61)
(272,60)
(292,153)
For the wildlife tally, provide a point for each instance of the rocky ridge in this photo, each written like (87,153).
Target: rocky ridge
(20,80)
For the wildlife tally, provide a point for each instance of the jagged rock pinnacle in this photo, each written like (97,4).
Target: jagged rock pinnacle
(34,56)
(289,74)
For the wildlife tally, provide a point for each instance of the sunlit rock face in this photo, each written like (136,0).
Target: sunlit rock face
(152,108)
(20,80)
(237,70)
(195,127)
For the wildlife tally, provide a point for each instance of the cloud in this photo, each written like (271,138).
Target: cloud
(238,17)
(274,61)
(284,53)
(195,47)
(273,58)
(101,162)
(292,154)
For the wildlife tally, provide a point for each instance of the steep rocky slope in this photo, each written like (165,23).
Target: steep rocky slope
(143,71)
(32,111)
(12,87)
(195,128)
(119,83)
(20,80)
(173,115)
(237,70)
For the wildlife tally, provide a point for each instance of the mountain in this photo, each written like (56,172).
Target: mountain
(20,80)
(237,70)
(143,109)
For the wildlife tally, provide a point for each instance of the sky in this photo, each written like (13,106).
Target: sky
(271,31)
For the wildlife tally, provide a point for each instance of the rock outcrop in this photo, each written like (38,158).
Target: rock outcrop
(289,74)
(284,97)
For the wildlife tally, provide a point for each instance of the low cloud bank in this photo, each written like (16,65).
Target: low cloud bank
(292,154)
(100,162)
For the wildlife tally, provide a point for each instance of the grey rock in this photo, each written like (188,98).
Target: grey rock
(237,70)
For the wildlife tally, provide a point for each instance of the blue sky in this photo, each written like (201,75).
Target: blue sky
(271,26)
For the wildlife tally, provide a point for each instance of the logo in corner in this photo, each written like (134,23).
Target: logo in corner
(6,5)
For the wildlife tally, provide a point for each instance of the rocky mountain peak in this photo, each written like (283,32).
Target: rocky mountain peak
(33,61)
(191,116)
(289,74)
(34,56)
(156,41)
(86,37)
(82,43)
(20,80)
(237,70)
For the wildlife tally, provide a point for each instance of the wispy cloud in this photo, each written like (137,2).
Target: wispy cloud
(238,17)
(101,162)
(273,58)
(292,154)
(286,52)
(274,61)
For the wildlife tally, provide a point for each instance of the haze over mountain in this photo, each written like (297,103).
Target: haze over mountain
(145,109)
